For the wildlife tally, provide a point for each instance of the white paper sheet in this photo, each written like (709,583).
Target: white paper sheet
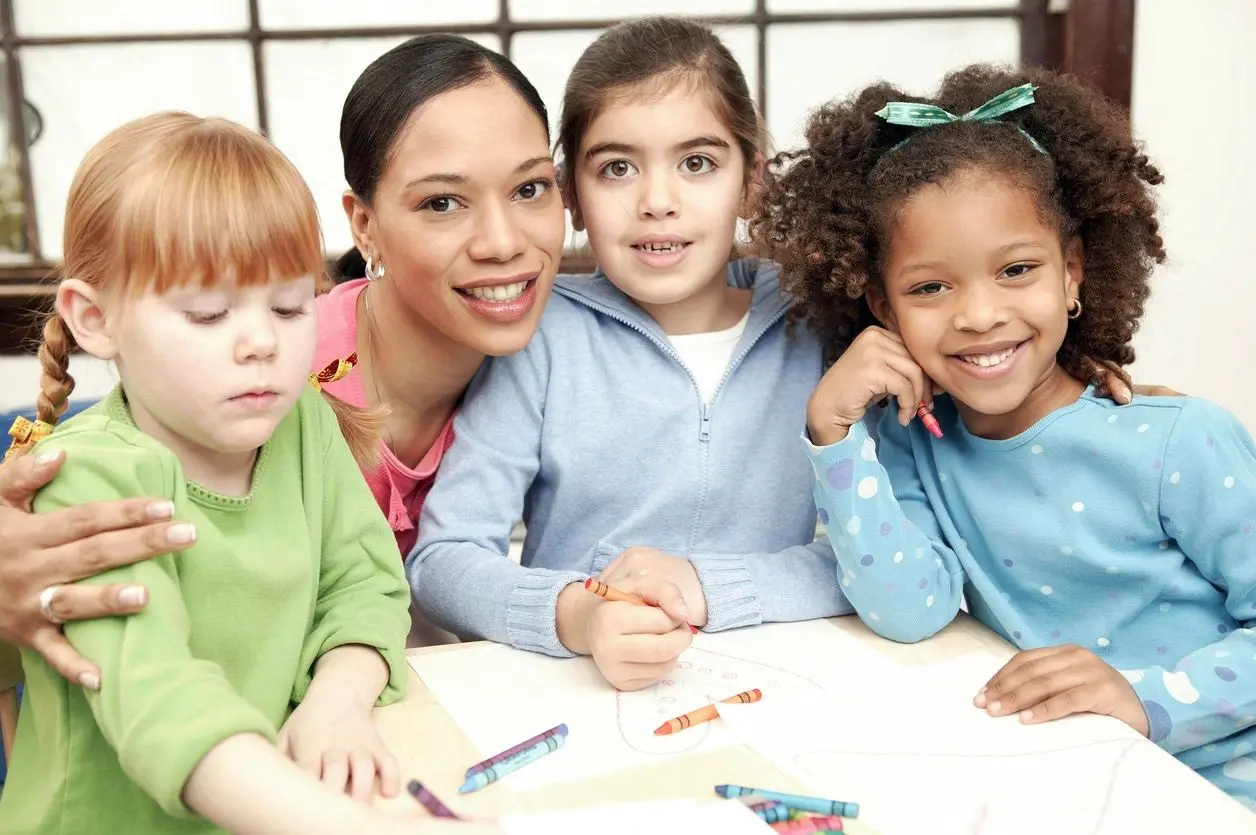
(681,817)
(610,731)
(918,757)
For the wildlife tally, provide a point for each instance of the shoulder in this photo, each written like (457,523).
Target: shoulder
(337,321)
(1198,421)
(106,458)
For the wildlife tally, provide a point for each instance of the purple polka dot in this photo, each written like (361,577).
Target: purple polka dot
(1155,465)
(1225,708)
(1129,537)
(839,476)
(1247,527)
(1186,664)
(1114,594)
(1016,634)
(1175,588)
(1158,719)
(1038,492)
(1225,673)
(1161,650)
(886,528)
(1008,563)
(1210,441)
(1014,532)
(1055,634)
(824,516)
(1222,628)
(867,559)
(923,584)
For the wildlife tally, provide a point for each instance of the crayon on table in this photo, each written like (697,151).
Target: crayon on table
(492,774)
(557,730)
(429,801)
(809,826)
(609,592)
(799,802)
(706,713)
(771,811)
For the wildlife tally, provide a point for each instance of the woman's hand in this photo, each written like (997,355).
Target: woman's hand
(41,554)
(875,366)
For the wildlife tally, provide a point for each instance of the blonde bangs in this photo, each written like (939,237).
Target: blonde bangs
(174,200)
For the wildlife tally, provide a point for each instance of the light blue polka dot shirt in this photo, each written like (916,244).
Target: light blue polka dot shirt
(1128,530)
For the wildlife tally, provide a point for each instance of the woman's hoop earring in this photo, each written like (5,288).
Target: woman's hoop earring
(374,273)
(1075,309)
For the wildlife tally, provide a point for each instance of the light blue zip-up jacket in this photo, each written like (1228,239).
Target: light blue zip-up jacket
(596,436)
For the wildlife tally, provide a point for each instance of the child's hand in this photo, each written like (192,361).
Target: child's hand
(336,742)
(635,563)
(875,365)
(634,646)
(1053,682)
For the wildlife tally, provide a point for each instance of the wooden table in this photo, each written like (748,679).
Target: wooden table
(430,747)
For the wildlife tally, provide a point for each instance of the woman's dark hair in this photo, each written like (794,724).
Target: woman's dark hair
(658,51)
(829,208)
(396,83)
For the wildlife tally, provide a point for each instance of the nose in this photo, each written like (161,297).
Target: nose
(658,198)
(498,235)
(980,309)
(257,340)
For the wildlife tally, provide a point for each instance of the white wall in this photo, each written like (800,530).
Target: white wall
(1195,106)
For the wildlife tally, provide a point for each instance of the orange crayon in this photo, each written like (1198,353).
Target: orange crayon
(705,714)
(608,592)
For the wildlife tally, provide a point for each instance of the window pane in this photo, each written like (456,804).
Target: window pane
(614,9)
(803,72)
(83,92)
(338,14)
(13,243)
(306,85)
(36,18)
(887,5)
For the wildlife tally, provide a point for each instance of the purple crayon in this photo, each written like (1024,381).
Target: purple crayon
(557,730)
(430,801)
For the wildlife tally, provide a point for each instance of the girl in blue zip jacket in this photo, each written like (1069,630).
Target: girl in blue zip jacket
(648,433)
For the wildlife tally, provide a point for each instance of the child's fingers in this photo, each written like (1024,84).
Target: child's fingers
(1034,691)
(335,770)
(666,595)
(653,649)
(1014,672)
(389,774)
(638,676)
(361,776)
(282,744)
(1078,699)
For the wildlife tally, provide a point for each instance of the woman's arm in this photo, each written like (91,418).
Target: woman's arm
(55,549)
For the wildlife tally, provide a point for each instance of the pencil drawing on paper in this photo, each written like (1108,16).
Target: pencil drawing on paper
(701,676)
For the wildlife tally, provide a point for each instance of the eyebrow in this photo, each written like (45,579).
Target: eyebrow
(1006,248)
(463,179)
(687,145)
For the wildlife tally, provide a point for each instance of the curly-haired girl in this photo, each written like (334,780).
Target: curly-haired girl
(1000,257)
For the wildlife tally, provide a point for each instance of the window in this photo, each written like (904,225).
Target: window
(73,69)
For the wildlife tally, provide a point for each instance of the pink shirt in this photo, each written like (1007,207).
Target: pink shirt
(398,489)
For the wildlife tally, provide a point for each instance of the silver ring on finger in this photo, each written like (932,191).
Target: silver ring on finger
(45,605)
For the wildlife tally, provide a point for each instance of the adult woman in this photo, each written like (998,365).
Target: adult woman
(458,223)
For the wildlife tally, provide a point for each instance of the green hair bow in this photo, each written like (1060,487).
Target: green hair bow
(916,115)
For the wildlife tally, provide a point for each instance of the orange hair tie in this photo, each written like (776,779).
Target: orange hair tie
(336,370)
(26,433)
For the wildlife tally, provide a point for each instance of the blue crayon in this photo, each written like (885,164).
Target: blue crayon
(800,802)
(480,779)
(771,811)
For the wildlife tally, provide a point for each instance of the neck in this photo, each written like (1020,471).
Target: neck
(227,473)
(412,368)
(1056,389)
(715,307)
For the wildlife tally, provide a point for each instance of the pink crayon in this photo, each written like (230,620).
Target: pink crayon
(930,422)
(810,825)
(557,730)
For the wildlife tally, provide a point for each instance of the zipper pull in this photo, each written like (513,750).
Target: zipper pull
(705,434)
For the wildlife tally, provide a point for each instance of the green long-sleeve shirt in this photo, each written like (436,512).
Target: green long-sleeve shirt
(234,624)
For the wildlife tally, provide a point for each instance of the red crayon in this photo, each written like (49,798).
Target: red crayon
(930,422)
(609,592)
(812,824)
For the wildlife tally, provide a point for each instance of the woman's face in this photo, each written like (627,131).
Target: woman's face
(466,218)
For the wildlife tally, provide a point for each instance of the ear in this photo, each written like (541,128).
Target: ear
(78,305)
(1074,268)
(756,181)
(359,215)
(567,188)
(880,307)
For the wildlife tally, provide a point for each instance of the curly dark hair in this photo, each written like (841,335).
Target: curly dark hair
(828,208)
